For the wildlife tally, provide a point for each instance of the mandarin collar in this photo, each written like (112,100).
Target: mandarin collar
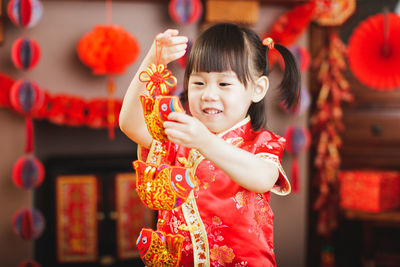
(238,129)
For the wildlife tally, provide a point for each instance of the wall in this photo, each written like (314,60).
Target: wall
(59,71)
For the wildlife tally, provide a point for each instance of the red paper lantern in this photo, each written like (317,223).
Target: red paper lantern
(29,263)
(25,53)
(25,13)
(28,172)
(26,97)
(185,11)
(28,224)
(374,52)
(333,12)
(108,49)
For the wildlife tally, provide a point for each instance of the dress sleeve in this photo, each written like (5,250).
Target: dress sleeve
(269,146)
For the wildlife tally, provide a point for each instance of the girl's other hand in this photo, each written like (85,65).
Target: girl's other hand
(186,130)
(171,45)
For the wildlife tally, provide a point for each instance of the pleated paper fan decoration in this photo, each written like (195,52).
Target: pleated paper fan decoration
(28,224)
(374,52)
(25,13)
(25,53)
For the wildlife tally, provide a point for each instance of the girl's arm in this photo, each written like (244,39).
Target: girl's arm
(131,118)
(243,167)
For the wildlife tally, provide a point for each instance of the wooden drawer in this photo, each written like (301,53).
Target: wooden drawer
(372,126)
(371,139)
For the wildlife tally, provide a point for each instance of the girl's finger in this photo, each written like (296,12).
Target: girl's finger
(179,117)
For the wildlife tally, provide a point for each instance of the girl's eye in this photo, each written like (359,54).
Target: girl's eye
(198,83)
(224,84)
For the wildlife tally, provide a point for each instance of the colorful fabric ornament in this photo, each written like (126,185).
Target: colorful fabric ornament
(158,249)
(374,52)
(25,53)
(28,172)
(29,263)
(333,12)
(297,140)
(162,187)
(108,49)
(158,79)
(28,224)
(26,98)
(185,11)
(156,111)
(25,13)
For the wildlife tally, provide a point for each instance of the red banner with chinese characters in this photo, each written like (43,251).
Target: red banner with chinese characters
(76,218)
(132,215)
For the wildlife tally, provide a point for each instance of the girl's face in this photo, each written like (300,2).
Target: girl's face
(218,99)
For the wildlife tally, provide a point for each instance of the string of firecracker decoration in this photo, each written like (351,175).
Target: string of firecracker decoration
(326,126)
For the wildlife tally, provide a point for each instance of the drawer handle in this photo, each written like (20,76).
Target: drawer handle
(376,129)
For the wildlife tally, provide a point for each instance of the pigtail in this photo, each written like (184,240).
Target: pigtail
(291,82)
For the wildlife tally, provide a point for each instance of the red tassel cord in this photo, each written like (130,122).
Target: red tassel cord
(295,174)
(29,134)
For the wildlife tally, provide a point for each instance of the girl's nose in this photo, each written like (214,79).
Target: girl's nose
(209,94)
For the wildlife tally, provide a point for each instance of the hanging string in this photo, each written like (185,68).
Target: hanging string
(109,12)
(386,50)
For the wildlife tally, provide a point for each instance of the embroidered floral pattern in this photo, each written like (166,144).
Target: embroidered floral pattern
(222,254)
(214,231)
(241,199)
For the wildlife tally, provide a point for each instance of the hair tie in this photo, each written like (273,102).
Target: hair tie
(269,42)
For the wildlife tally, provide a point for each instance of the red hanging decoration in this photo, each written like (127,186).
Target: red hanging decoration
(374,52)
(25,13)
(28,172)
(333,12)
(289,26)
(26,98)
(25,53)
(185,11)
(28,224)
(297,140)
(326,123)
(108,49)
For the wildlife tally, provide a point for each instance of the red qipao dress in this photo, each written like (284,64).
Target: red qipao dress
(223,223)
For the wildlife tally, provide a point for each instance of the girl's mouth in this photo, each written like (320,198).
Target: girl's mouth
(211,111)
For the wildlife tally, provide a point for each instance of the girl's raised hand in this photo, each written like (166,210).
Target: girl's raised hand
(171,45)
(186,130)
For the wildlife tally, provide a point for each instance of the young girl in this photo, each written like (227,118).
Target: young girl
(227,221)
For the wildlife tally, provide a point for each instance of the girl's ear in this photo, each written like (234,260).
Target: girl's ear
(260,89)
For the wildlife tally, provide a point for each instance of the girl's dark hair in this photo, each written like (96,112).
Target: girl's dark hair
(227,46)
